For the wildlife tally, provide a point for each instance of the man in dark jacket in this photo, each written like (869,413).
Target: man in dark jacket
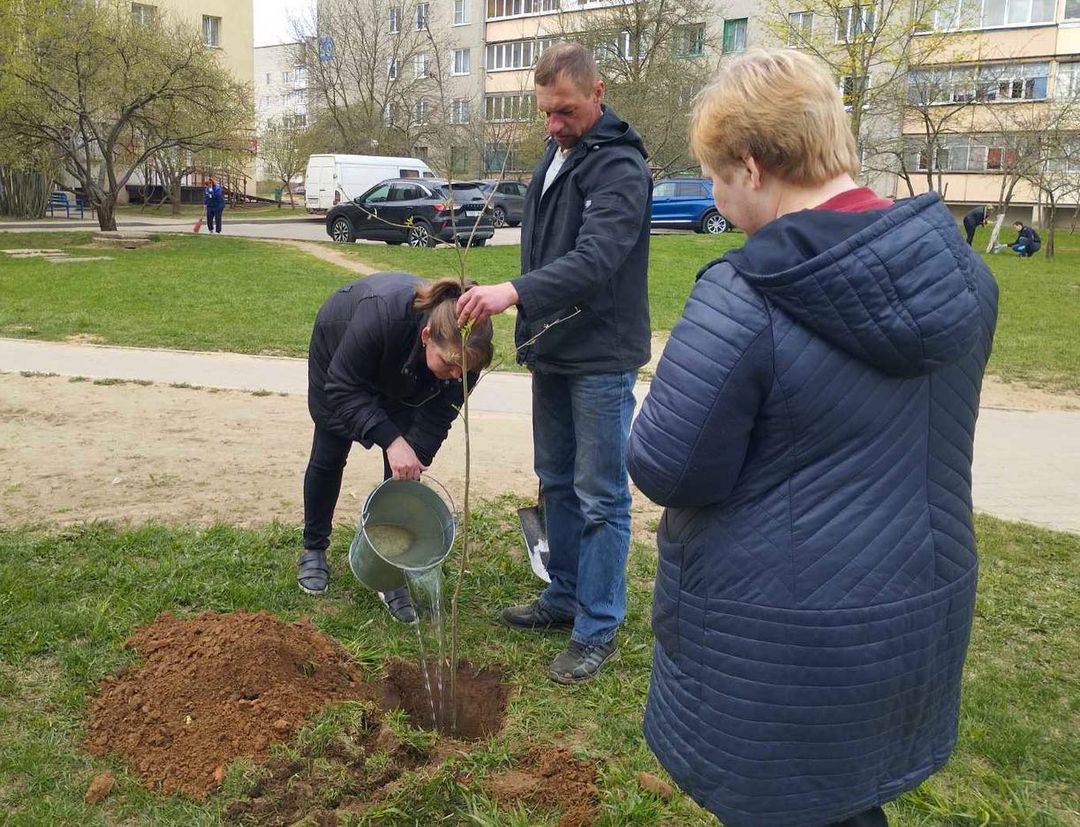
(583,331)
(810,432)
(975,219)
(1027,241)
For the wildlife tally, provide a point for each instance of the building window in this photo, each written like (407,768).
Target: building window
(965,84)
(268,79)
(974,14)
(422,13)
(300,76)
(294,120)
(690,41)
(461,12)
(853,21)
(735,35)
(144,14)
(516,54)
(421,152)
(622,47)
(211,29)
(852,88)
(422,65)
(422,111)
(1072,9)
(395,19)
(462,61)
(510,107)
(459,110)
(390,113)
(519,8)
(800,28)
(459,159)
(393,69)
(1067,85)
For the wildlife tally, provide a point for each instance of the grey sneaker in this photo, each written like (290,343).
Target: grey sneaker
(535,616)
(313,573)
(399,604)
(580,662)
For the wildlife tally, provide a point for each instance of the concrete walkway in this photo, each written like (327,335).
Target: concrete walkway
(1027,463)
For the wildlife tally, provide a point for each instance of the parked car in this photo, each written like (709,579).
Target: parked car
(686,203)
(508,202)
(414,212)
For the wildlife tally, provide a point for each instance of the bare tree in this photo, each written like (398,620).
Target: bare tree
(285,150)
(371,70)
(106,92)
(655,56)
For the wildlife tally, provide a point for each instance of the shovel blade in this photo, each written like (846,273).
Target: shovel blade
(535,537)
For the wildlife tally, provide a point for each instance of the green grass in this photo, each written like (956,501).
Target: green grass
(69,599)
(239,295)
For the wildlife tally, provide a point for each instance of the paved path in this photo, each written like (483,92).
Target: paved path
(1027,463)
(297,228)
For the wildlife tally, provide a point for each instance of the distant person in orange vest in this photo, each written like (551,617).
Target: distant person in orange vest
(214,200)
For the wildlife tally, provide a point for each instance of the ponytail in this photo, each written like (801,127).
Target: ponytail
(438,301)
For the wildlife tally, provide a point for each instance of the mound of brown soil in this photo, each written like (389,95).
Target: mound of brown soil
(213,688)
(550,779)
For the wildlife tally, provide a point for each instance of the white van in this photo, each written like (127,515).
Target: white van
(332,179)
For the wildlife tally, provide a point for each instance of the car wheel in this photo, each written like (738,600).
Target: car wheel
(498,216)
(341,231)
(713,223)
(420,235)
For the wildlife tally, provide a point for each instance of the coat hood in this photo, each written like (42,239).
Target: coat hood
(613,129)
(895,288)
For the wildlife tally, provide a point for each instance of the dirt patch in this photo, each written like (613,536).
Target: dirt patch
(211,689)
(321,251)
(550,779)
(481,698)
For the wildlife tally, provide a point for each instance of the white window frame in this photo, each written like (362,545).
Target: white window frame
(422,111)
(422,65)
(852,21)
(144,14)
(506,9)
(211,31)
(423,15)
(509,108)
(462,62)
(393,69)
(512,55)
(395,19)
(461,12)
(459,111)
(800,27)
(691,41)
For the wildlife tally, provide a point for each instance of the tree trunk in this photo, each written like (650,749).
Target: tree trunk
(106,213)
(1050,225)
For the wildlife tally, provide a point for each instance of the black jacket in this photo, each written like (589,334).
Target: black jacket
(585,245)
(367,377)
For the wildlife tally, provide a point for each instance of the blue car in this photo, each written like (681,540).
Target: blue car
(686,203)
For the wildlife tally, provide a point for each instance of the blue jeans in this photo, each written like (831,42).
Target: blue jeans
(581,425)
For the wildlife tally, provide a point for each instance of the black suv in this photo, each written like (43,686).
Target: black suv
(413,212)
(507,202)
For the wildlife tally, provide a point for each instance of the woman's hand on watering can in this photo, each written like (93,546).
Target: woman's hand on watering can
(403,460)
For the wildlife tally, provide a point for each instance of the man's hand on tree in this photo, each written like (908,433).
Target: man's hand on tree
(404,463)
(480,303)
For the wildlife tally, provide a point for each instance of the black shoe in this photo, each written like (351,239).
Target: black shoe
(535,616)
(580,662)
(313,574)
(399,604)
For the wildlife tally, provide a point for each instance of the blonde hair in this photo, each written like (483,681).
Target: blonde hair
(781,108)
(439,301)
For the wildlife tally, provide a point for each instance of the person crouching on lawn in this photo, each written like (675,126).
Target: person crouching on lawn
(809,430)
(384,368)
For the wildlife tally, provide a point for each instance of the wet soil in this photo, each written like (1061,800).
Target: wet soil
(550,779)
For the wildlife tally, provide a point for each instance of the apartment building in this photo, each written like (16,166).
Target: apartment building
(227,26)
(1011,68)
(280,91)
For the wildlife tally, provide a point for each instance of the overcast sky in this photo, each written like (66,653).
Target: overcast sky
(272,20)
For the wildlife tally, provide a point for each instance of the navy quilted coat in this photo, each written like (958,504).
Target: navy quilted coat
(810,431)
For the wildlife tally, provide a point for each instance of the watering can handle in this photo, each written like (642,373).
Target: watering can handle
(423,480)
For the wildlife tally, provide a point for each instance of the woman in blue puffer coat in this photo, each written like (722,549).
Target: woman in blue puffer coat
(810,432)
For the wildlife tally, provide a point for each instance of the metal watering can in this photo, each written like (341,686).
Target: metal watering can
(423,517)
